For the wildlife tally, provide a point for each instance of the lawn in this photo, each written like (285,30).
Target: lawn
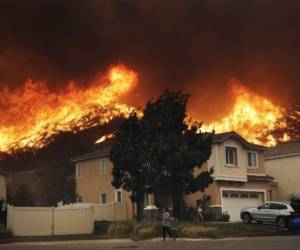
(185,229)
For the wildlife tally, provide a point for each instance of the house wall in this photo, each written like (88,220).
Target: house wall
(91,183)
(222,170)
(286,171)
(28,178)
(231,177)
(2,186)
(260,170)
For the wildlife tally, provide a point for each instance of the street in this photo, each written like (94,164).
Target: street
(257,243)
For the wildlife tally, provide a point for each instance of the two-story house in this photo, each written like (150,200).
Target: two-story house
(240,178)
(283,163)
(239,175)
(93,180)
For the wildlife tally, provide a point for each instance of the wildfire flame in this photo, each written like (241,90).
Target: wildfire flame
(32,113)
(252,117)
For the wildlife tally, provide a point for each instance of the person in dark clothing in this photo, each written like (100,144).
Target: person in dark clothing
(166,225)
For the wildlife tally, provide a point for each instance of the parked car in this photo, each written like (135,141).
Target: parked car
(274,212)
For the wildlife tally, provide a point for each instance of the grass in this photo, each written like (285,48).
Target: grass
(147,230)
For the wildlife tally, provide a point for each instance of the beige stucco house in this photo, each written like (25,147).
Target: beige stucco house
(93,180)
(240,178)
(3,187)
(283,162)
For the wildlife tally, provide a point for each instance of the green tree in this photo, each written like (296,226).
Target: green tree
(174,150)
(159,153)
(128,161)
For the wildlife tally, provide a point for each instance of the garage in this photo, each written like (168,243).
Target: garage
(234,201)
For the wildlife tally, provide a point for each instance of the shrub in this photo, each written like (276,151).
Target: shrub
(195,231)
(209,216)
(101,227)
(5,233)
(120,229)
(224,217)
(147,230)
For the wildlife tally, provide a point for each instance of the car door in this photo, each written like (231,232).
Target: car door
(260,214)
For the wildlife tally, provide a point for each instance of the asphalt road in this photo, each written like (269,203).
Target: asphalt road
(257,243)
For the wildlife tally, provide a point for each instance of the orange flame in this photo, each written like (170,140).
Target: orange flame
(32,113)
(252,117)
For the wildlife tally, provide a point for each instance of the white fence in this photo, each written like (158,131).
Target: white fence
(33,221)
(114,211)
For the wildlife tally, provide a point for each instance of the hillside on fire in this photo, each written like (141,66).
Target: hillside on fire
(72,71)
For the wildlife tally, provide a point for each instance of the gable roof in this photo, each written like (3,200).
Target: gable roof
(283,149)
(103,151)
(220,138)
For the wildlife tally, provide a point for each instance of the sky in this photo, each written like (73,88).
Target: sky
(194,45)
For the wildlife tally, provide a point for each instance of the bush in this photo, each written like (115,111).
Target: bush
(5,233)
(224,217)
(101,227)
(195,231)
(147,230)
(209,216)
(120,229)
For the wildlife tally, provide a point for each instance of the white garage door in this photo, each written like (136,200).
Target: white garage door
(233,202)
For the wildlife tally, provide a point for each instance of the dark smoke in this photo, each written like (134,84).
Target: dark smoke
(196,45)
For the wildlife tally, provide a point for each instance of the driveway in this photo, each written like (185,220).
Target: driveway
(257,243)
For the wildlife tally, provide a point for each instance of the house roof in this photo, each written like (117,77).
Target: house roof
(103,151)
(2,172)
(283,149)
(220,138)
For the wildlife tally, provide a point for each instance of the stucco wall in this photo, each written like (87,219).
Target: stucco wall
(286,172)
(2,186)
(31,180)
(91,183)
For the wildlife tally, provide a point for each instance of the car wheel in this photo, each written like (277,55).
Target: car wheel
(281,222)
(246,218)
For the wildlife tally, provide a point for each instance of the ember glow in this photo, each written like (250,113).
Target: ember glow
(32,113)
(252,116)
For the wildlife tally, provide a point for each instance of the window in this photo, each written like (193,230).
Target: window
(244,196)
(118,195)
(253,196)
(276,206)
(252,159)
(265,206)
(103,198)
(78,171)
(79,199)
(231,156)
(103,167)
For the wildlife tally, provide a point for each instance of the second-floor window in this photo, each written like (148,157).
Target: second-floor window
(118,195)
(252,159)
(103,167)
(78,171)
(231,156)
(103,198)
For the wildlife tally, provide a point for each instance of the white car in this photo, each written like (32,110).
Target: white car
(274,212)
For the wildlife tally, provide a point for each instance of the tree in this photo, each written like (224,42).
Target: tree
(129,170)
(159,152)
(175,150)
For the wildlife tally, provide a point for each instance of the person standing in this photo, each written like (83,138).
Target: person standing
(199,211)
(166,224)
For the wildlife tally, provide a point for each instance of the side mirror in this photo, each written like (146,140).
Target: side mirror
(259,207)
